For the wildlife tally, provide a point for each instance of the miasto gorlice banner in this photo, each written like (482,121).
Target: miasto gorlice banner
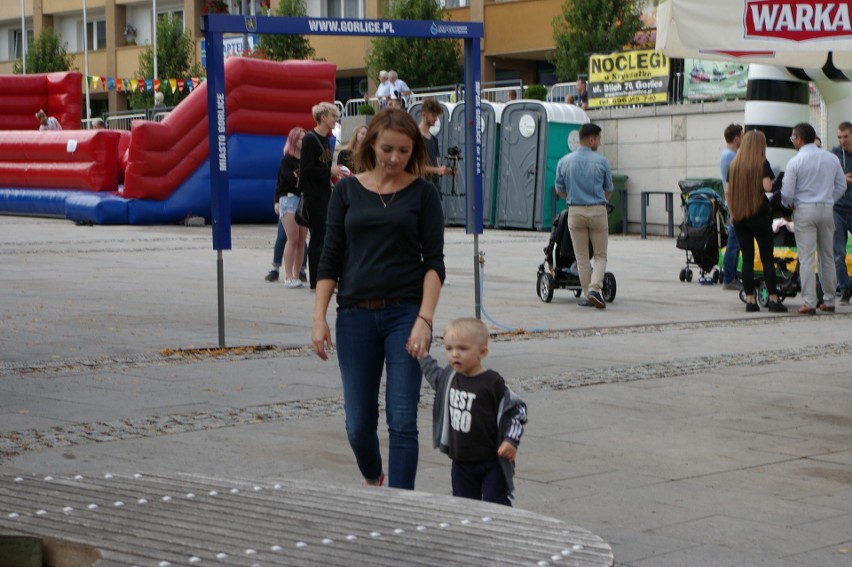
(628,78)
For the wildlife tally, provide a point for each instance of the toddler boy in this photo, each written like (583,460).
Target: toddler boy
(477,420)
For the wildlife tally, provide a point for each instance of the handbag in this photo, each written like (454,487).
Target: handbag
(301,213)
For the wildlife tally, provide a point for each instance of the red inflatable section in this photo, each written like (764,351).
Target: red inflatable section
(71,159)
(261,97)
(59,94)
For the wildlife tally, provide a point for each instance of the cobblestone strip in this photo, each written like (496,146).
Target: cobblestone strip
(14,442)
(178,357)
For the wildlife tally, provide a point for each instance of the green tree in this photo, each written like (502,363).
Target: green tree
(46,54)
(593,26)
(175,59)
(420,62)
(283,47)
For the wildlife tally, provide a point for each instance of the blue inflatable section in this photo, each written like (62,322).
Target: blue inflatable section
(253,162)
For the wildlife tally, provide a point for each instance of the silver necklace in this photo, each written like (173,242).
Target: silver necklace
(382,199)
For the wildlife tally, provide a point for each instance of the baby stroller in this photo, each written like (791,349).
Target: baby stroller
(702,231)
(559,269)
(788,281)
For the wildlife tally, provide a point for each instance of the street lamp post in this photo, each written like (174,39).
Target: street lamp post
(86,60)
(154,40)
(23,38)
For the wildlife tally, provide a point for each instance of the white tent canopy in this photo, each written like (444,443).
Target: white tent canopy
(803,34)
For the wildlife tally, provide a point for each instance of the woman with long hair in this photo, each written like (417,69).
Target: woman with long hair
(288,180)
(384,251)
(346,156)
(749,180)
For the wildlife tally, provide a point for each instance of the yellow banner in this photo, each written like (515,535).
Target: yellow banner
(628,78)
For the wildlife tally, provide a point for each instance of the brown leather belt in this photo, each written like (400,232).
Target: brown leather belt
(379,303)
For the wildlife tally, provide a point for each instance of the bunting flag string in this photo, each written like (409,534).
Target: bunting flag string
(120,85)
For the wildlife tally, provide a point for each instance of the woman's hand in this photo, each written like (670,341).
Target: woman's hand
(277,212)
(321,338)
(420,339)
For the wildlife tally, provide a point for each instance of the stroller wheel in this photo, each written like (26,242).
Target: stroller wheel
(609,287)
(689,275)
(578,292)
(762,294)
(682,274)
(743,296)
(544,287)
(717,277)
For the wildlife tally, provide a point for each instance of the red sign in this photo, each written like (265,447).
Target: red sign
(797,20)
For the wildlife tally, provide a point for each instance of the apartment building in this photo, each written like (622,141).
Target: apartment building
(518,36)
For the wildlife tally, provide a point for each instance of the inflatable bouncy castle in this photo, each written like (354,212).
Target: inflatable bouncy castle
(58,94)
(159,172)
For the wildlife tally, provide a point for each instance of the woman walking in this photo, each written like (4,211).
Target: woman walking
(384,250)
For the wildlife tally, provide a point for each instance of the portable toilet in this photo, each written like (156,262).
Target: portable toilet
(441,131)
(489,125)
(534,136)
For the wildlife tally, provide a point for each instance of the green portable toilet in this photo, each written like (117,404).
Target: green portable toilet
(489,125)
(441,131)
(534,136)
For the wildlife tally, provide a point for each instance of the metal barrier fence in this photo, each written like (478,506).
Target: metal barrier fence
(121,119)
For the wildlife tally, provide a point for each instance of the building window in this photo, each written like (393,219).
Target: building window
(454,3)
(344,9)
(171,14)
(96,34)
(16,48)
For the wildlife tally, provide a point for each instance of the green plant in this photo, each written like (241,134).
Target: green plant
(420,62)
(593,26)
(536,92)
(46,54)
(175,58)
(366,110)
(283,47)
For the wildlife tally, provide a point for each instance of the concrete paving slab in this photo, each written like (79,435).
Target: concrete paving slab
(674,425)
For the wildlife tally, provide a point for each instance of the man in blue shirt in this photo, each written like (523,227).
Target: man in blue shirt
(813,181)
(584,180)
(733,136)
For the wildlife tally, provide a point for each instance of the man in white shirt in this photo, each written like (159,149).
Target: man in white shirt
(383,93)
(813,181)
(399,89)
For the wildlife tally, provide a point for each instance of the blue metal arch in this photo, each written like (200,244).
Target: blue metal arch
(215,25)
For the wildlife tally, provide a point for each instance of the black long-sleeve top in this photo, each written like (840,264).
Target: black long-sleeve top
(315,167)
(288,179)
(375,251)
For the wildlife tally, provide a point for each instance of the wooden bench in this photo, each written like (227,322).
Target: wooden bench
(157,521)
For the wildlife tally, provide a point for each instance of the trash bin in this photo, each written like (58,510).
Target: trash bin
(618,200)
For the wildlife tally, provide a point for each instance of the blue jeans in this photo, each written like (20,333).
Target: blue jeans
(480,481)
(842,227)
(367,340)
(280,242)
(732,253)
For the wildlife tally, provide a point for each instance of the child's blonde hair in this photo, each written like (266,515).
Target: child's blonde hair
(469,326)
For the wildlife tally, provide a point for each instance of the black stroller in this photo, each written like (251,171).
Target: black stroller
(702,231)
(559,269)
